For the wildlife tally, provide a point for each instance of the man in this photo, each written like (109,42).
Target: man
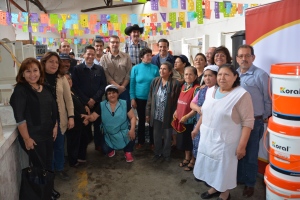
(99,46)
(117,66)
(163,54)
(66,63)
(135,44)
(255,81)
(72,55)
(65,48)
(89,83)
(209,54)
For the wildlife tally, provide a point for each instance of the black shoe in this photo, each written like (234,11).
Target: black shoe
(55,194)
(206,195)
(228,198)
(156,158)
(62,175)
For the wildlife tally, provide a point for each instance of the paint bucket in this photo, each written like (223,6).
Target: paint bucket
(286,93)
(284,152)
(280,186)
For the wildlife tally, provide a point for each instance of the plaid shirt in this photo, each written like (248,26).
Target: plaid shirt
(134,50)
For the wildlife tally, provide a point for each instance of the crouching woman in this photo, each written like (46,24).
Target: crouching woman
(114,114)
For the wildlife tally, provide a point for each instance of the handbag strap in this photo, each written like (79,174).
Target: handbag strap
(39,158)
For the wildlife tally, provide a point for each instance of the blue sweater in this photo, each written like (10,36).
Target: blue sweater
(140,79)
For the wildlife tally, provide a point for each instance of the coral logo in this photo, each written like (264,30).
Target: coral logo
(283,90)
(283,148)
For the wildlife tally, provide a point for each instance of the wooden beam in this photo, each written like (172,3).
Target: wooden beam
(41,6)
(17,5)
(113,6)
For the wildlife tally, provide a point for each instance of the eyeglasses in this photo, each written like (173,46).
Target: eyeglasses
(242,56)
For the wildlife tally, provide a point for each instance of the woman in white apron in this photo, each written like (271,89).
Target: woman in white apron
(226,123)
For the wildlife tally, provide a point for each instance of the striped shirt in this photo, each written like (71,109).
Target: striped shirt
(134,49)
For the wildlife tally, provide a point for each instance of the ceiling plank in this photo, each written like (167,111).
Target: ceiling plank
(17,5)
(112,6)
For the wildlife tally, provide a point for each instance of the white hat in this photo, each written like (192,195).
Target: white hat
(212,68)
(111,86)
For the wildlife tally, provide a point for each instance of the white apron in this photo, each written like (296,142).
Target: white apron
(216,162)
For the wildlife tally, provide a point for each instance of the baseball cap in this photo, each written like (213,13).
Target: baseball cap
(64,56)
(111,87)
(212,68)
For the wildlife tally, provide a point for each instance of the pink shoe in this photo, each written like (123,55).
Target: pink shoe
(128,157)
(111,154)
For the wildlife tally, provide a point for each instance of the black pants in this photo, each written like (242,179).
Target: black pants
(44,149)
(77,141)
(141,110)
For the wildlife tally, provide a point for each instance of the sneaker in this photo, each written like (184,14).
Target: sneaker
(138,146)
(81,161)
(62,175)
(111,154)
(128,157)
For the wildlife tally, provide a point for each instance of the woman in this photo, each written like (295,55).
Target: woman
(61,91)
(199,63)
(184,116)
(140,80)
(221,56)
(114,114)
(77,138)
(181,62)
(226,123)
(35,112)
(162,100)
(210,79)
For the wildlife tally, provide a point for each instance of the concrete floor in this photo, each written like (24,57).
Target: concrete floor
(113,179)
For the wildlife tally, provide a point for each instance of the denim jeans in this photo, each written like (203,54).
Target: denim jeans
(248,166)
(106,149)
(59,151)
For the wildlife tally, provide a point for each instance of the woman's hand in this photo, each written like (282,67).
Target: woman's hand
(87,110)
(131,134)
(70,123)
(133,103)
(175,114)
(240,152)
(194,133)
(29,143)
(183,119)
(54,134)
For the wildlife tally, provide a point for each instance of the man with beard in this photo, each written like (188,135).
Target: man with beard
(117,66)
(255,81)
(135,44)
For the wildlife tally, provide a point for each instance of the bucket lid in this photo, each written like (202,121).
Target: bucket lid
(286,69)
(281,183)
(283,129)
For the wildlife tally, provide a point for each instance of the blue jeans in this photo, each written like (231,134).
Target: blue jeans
(248,166)
(59,152)
(106,149)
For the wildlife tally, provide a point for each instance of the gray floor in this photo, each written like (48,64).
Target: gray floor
(113,179)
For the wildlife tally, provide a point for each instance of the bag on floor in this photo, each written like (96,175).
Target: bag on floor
(36,183)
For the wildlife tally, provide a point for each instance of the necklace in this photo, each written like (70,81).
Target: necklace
(36,89)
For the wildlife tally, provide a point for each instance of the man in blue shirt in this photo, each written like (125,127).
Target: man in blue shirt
(135,44)
(163,55)
(89,83)
(255,81)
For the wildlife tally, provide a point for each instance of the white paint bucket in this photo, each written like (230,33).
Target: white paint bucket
(284,152)
(286,93)
(280,186)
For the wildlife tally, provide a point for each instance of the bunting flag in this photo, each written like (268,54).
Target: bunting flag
(108,24)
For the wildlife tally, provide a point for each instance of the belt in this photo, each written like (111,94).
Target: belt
(258,117)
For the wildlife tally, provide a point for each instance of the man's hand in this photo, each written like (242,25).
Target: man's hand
(91,103)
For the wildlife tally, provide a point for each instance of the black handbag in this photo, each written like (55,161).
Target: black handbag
(36,183)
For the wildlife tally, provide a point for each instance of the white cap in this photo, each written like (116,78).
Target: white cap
(212,68)
(111,86)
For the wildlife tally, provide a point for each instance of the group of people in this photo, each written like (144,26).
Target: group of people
(211,111)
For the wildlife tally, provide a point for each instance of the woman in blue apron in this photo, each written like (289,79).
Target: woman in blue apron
(114,114)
